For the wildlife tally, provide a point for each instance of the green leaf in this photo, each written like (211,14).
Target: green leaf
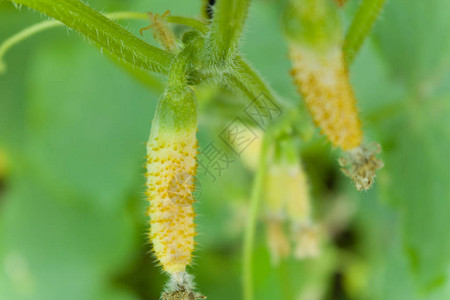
(104,32)
(413,36)
(79,131)
(45,242)
(418,185)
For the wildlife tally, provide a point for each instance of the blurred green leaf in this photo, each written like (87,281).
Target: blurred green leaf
(418,185)
(413,36)
(79,158)
(46,242)
(84,129)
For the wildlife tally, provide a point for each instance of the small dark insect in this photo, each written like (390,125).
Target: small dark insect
(209,8)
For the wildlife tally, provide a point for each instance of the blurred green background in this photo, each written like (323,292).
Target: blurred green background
(72,130)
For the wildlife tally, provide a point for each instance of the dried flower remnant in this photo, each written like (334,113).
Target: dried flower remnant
(180,287)
(161,31)
(321,75)
(362,164)
(171,167)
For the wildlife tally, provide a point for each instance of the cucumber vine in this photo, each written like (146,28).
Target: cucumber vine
(209,50)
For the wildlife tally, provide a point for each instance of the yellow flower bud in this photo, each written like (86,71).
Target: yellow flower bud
(277,242)
(304,232)
(275,206)
(297,195)
(250,156)
(276,190)
(287,199)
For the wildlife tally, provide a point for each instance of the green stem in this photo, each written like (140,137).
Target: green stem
(362,24)
(149,80)
(17,38)
(178,71)
(36,28)
(182,71)
(249,238)
(121,15)
(226,30)
(196,24)
(251,84)
(247,79)
(104,32)
(250,77)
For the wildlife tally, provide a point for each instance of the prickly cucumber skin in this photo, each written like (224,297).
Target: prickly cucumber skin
(323,81)
(171,167)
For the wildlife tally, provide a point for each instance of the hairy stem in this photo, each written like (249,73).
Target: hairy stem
(104,32)
(362,24)
(141,75)
(246,78)
(39,27)
(196,24)
(226,30)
